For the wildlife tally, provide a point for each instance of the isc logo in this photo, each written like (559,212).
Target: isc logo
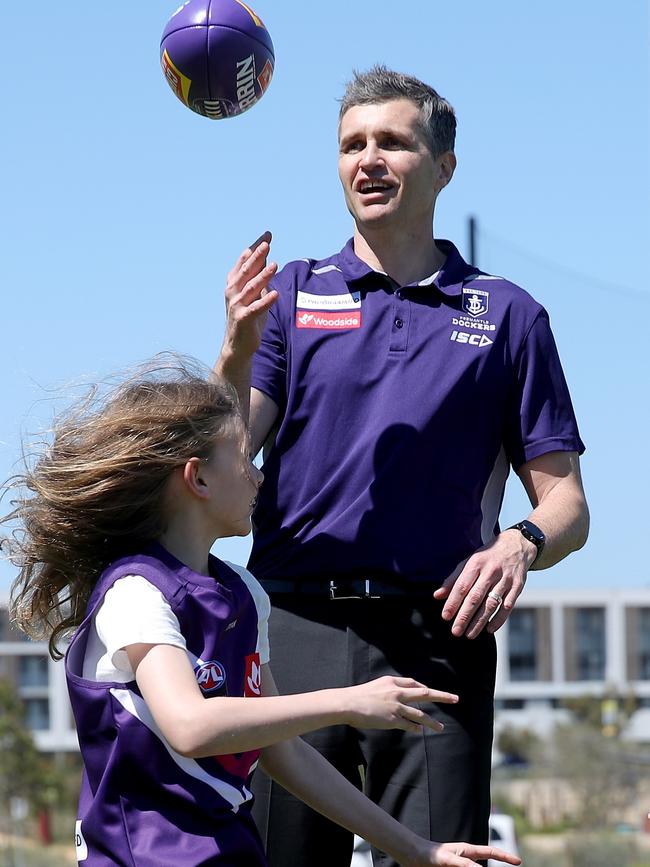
(472,339)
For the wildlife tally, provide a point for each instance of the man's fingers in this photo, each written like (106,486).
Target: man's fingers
(256,284)
(503,613)
(264,303)
(445,588)
(250,258)
(490,608)
(463,585)
(265,237)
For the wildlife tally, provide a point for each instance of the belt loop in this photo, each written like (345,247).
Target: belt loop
(368,594)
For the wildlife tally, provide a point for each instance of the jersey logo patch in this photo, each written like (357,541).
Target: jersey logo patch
(470,339)
(328,321)
(79,842)
(345,301)
(210,676)
(475,301)
(253,676)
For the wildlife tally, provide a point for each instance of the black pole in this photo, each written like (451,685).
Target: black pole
(472,225)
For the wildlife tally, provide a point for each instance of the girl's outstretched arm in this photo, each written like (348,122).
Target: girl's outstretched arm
(196,726)
(309,776)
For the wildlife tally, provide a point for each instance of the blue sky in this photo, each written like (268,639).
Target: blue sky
(122,211)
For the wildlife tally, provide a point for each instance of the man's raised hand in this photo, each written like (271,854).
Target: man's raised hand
(248,300)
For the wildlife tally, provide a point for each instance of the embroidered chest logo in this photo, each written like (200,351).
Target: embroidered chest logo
(475,301)
(328,312)
(253,676)
(210,676)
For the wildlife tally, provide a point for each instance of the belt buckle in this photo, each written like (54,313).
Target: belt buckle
(365,595)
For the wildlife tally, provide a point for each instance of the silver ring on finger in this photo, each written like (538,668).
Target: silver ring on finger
(499,601)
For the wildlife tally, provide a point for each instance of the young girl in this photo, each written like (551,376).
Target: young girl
(168,665)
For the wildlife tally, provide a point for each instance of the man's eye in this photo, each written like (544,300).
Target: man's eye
(392,143)
(351,147)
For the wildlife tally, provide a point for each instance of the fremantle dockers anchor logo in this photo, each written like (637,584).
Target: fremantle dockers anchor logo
(475,301)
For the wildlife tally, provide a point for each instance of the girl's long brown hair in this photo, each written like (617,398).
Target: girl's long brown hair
(95,491)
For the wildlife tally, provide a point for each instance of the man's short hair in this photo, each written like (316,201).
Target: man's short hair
(380,84)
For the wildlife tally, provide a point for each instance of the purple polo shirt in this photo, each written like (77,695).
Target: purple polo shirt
(401,412)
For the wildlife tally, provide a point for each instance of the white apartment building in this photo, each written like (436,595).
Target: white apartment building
(560,644)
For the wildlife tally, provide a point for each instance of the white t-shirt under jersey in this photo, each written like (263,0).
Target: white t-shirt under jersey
(136,612)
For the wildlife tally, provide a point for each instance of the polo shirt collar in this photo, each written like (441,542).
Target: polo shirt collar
(449,279)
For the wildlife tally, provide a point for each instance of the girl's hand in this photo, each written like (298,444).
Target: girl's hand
(461,855)
(387,703)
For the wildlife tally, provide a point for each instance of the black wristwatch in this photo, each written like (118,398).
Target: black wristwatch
(531,532)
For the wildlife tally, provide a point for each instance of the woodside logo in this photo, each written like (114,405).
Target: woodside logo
(328,320)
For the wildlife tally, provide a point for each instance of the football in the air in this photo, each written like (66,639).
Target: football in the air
(217,57)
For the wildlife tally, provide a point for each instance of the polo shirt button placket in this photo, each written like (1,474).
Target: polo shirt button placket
(401,313)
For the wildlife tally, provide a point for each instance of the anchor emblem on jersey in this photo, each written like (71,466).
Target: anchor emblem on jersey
(475,301)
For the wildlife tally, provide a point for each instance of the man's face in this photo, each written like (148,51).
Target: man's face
(388,173)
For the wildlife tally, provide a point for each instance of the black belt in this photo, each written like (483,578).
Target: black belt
(352,588)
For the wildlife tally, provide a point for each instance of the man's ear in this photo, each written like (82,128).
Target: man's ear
(193,478)
(446,168)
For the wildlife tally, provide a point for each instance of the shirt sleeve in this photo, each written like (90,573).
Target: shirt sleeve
(135,612)
(263,605)
(540,417)
(269,373)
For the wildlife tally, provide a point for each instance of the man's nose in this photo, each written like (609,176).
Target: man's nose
(371,155)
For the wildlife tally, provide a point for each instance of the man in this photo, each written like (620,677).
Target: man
(393,386)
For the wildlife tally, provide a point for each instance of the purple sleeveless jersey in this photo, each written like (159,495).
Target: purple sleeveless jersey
(141,803)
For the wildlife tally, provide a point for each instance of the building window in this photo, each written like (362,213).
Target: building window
(32,671)
(521,644)
(529,644)
(644,644)
(637,622)
(513,704)
(586,643)
(37,714)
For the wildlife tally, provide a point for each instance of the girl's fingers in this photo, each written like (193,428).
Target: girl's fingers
(423,693)
(419,718)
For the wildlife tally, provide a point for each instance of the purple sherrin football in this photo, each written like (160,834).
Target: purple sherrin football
(217,57)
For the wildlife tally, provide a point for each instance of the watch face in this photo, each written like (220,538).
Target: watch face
(535,533)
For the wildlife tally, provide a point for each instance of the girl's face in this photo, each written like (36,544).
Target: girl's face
(234,482)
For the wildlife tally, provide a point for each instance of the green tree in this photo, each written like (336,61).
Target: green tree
(24,772)
(604,773)
(518,745)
